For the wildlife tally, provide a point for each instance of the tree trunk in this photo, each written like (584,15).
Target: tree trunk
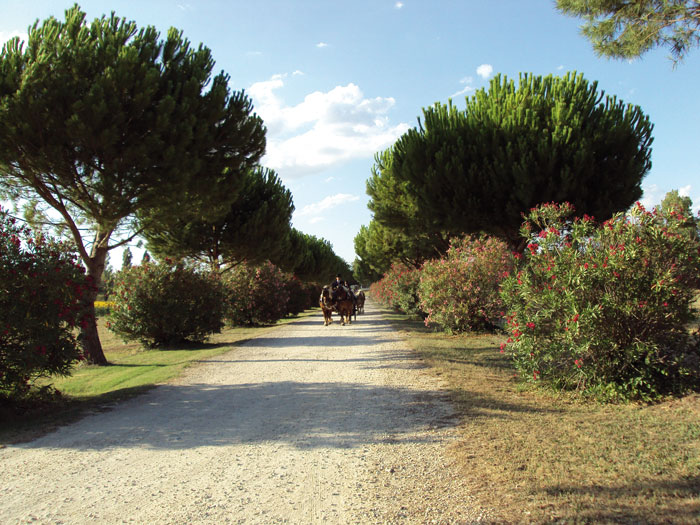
(90,339)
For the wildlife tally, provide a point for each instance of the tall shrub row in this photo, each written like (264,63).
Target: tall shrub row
(603,309)
(456,293)
(42,302)
(167,303)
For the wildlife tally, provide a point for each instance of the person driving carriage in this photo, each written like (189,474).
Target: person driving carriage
(336,284)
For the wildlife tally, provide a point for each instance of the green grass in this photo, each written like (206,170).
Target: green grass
(133,369)
(536,457)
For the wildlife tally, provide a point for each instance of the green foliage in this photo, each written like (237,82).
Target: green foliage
(312,259)
(397,232)
(254,229)
(126,258)
(604,309)
(103,121)
(256,295)
(363,273)
(623,29)
(513,147)
(681,208)
(301,295)
(166,304)
(42,301)
(460,292)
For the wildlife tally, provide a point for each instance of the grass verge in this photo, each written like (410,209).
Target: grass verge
(133,370)
(535,457)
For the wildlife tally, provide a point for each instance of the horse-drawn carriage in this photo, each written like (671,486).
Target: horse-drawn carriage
(341,301)
(360,295)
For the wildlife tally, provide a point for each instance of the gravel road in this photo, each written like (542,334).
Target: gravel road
(306,424)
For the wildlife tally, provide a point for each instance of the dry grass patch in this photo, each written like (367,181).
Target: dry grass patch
(537,458)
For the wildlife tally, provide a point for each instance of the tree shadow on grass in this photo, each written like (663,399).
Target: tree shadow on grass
(482,357)
(678,501)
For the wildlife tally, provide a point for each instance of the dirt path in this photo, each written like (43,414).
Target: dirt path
(307,424)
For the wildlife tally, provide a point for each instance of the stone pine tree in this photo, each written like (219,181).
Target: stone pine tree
(516,146)
(627,29)
(103,120)
(254,229)
(397,231)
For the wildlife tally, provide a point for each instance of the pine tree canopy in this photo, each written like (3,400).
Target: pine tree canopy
(254,229)
(516,146)
(627,29)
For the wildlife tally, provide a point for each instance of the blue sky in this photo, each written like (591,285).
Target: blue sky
(336,82)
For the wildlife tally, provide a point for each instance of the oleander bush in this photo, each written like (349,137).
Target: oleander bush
(255,294)
(460,292)
(42,304)
(398,289)
(166,304)
(604,308)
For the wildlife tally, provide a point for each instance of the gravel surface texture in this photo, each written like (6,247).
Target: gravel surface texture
(306,424)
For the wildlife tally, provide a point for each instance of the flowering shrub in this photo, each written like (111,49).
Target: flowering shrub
(165,304)
(460,292)
(398,289)
(41,304)
(603,309)
(256,295)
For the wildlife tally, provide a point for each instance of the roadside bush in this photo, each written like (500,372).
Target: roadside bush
(604,309)
(41,304)
(398,289)
(301,295)
(255,295)
(460,292)
(165,304)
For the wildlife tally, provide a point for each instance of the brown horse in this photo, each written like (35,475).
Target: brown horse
(361,302)
(326,303)
(345,305)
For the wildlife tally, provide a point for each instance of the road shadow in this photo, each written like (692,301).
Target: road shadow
(304,415)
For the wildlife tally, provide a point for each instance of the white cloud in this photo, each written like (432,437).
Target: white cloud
(398,5)
(484,70)
(321,44)
(316,210)
(327,128)
(685,191)
(297,73)
(466,81)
